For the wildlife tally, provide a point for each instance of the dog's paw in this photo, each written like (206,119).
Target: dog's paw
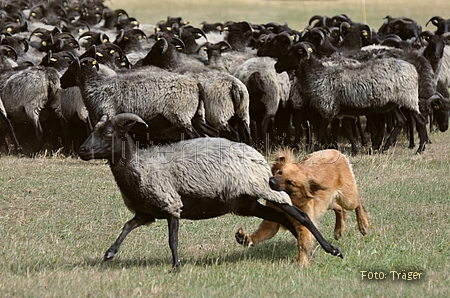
(242,238)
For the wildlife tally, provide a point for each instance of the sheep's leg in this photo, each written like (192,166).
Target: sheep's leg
(361,131)
(421,127)
(401,120)
(410,126)
(349,126)
(9,128)
(201,128)
(173,242)
(138,220)
(244,131)
(304,219)
(264,125)
(39,134)
(377,125)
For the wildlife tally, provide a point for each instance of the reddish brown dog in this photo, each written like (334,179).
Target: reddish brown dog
(323,180)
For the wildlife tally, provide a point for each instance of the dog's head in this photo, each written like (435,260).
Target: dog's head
(295,181)
(282,157)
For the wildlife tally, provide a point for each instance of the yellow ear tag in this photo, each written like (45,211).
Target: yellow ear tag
(135,23)
(300,51)
(169,28)
(112,52)
(99,54)
(205,49)
(310,50)
(94,62)
(53,59)
(9,29)
(80,30)
(105,40)
(140,37)
(44,43)
(158,29)
(125,38)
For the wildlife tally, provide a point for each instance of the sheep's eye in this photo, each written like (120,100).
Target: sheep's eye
(289,182)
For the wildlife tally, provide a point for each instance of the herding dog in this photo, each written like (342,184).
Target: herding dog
(322,180)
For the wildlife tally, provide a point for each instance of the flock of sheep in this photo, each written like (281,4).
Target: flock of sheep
(81,73)
(65,64)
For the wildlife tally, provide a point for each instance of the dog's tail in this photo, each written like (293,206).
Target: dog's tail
(282,157)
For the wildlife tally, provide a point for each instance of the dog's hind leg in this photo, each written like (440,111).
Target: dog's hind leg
(362,218)
(341,216)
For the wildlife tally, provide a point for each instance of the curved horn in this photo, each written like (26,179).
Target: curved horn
(315,18)
(121,119)
(178,43)
(87,33)
(8,50)
(435,20)
(224,46)
(120,36)
(26,46)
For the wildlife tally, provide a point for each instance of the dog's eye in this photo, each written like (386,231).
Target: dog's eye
(279,172)
(289,182)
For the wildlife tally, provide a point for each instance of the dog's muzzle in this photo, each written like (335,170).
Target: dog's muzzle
(274,183)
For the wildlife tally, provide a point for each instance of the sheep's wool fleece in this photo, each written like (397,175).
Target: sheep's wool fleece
(212,168)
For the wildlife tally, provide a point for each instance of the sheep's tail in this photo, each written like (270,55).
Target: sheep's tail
(241,102)
(54,90)
(198,122)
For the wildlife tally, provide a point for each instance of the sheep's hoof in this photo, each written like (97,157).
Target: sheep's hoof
(109,255)
(242,238)
(336,251)
(175,268)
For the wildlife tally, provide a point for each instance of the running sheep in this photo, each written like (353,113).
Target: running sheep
(194,179)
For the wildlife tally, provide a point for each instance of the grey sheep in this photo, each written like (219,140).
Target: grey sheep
(226,97)
(147,93)
(195,179)
(25,93)
(373,87)
(268,89)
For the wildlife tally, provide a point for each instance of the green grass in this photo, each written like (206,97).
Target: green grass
(296,13)
(59,215)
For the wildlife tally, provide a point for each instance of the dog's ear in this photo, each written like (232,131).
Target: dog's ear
(280,160)
(314,187)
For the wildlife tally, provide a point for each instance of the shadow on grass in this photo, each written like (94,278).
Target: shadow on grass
(280,251)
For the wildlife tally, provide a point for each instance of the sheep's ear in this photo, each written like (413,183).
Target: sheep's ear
(314,187)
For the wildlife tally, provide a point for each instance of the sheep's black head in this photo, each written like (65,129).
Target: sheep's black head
(291,60)
(440,107)
(72,76)
(108,139)
(435,48)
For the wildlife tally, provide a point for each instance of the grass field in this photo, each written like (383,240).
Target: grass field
(59,215)
(296,12)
